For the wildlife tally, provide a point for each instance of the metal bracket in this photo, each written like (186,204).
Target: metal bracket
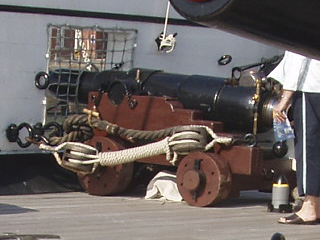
(35,133)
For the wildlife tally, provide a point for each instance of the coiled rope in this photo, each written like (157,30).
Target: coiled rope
(76,129)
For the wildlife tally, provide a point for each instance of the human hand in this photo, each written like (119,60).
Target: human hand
(279,111)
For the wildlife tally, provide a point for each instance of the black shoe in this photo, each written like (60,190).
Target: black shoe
(295,219)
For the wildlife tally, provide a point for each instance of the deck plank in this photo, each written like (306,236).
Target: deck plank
(77,216)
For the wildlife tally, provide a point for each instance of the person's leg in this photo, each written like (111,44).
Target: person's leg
(308,211)
(307,150)
(318,207)
(297,109)
(311,168)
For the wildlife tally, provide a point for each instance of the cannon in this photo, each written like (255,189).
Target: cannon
(218,99)
(147,100)
(286,24)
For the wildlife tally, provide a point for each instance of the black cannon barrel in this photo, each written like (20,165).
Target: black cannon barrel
(213,96)
(75,85)
(289,24)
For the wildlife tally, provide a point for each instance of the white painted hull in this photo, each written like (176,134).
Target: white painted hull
(24,43)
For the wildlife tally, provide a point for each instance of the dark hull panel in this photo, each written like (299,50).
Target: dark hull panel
(289,24)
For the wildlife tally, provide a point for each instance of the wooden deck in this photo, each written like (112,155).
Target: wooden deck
(77,216)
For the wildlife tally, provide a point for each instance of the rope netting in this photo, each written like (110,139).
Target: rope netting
(74,49)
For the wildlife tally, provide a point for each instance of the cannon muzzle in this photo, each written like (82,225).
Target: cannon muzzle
(288,24)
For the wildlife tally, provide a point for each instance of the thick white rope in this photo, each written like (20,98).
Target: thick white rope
(216,139)
(132,154)
(129,155)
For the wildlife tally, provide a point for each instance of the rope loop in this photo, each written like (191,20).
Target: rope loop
(76,129)
(77,157)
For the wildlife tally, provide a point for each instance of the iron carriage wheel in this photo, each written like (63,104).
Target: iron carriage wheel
(107,180)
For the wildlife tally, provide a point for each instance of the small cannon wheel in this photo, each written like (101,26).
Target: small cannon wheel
(203,179)
(107,180)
